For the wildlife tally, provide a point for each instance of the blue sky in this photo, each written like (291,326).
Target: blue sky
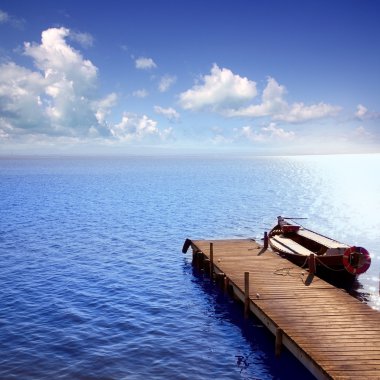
(163,77)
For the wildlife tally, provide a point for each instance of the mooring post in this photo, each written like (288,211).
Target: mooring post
(246,294)
(211,259)
(265,240)
(278,343)
(226,284)
(312,263)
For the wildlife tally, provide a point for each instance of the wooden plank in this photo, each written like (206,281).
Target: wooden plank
(330,332)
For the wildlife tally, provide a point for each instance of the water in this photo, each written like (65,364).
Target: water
(93,281)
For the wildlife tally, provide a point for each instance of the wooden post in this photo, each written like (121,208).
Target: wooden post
(211,259)
(195,258)
(278,343)
(198,259)
(266,240)
(246,294)
(219,277)
(226,284)
(312,263)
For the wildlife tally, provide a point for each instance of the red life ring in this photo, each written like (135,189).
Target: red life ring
(362,262)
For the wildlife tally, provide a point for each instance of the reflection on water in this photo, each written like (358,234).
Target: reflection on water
(345,205)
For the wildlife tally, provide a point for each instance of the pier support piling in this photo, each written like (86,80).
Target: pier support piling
(226,284)
(246,294)
(211,259)
(278,343)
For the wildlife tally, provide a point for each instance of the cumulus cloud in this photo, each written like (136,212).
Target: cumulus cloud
(66,86)
(20,99)
(133,127)
(59,98)
(170,113)
(166,82)
(143,63)
(274,105)
(222,90)
(219,89)
(279,133)
(269,133)
(62,65)
(103,107)
(272,102)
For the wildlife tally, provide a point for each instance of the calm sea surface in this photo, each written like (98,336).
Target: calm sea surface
(93,284)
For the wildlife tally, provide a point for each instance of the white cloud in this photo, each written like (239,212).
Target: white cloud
(60,62)
(166,82)
(143,63)
(221,88)
(67,84)
(272,102)
(170,113)
(215,93)
(298,112)
(103,107)
(135,128)
(20,101)
(274,105)
(278,133)
(264,134)
(142,93)
(362,113)
(248,133)
(84,39)
(59,99)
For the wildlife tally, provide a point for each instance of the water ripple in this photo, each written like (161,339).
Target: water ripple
(93,283)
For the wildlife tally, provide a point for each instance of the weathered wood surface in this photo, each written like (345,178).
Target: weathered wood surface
(334,335)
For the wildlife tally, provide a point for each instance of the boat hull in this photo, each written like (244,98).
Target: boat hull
(327,257)
(329,268)
(331,262)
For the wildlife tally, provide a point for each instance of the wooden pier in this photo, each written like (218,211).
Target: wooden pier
(333,334)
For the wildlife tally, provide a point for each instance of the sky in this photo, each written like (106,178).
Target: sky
(149,77)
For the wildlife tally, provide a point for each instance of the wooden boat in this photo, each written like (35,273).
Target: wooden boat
(307,248)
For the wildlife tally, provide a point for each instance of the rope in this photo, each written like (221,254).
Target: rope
(326,266)
(286,271)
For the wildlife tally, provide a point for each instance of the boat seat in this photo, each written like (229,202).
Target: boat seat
(290,245)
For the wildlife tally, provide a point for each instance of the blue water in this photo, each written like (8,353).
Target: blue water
(93,281)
